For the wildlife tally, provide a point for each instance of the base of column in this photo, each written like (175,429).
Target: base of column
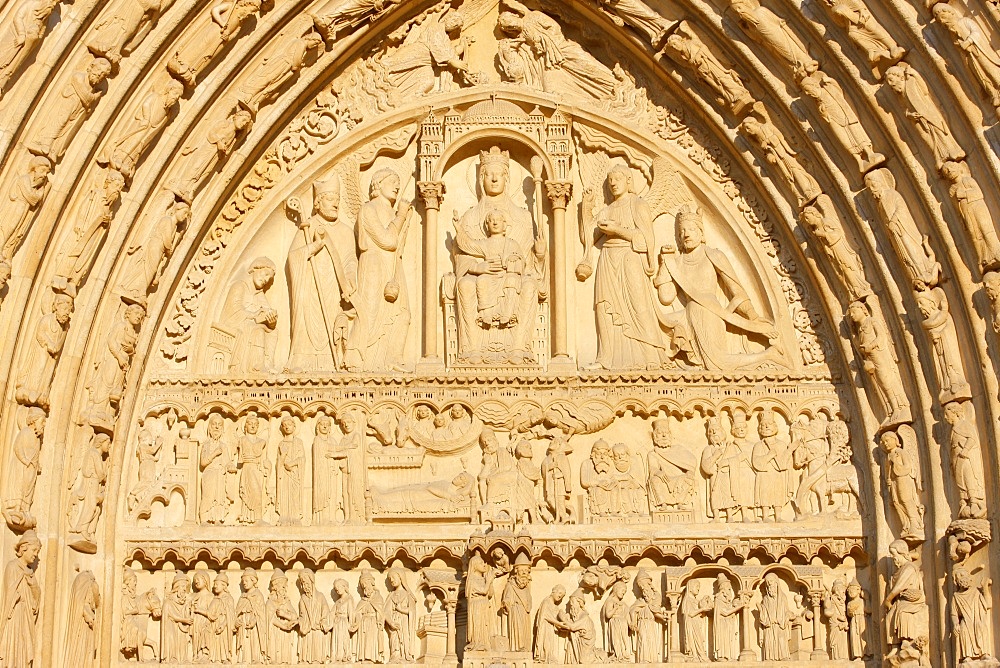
(748,655)
(430,365)
(562,364)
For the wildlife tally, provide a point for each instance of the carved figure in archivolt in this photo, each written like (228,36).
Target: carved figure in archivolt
(87,499)
(216,463)
(991,286)
(176,622)
(906,618)
(277,69)
(314,619)
(546,638)
(646,618)
(19,600)
(726,610)
(23,467)
(222,615)
(684,45)
(124,28)
(726,464)
(975,213)
(775,35)
(74,103)
(90,229)
(200,158)
(693,615)
(28,24)
(38,365)
(136,611)
(981,57)
(915,250)
(637,14)
(878,360)
(252,628)
(434,51)
(289,472)
(700,330)
(940,328)
(147,450)
(970,616)
(865,30)
(779,154)
(771,459)
(370,621)
(249,317)
(349,14)
(254,471)
(322,269)
(24,198)
(124,153)
(376,340)
(81,636)
(535,53)
(147,256)
(226,18)
(966,459)
(843,119)
(282,619)
(922,111)
(400,617)
(902,472)
(500,271)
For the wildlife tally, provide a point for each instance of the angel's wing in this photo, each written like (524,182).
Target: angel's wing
(908,439)
(475,10)
(352,200)
(669,190)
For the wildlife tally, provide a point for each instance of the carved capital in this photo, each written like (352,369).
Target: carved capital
(431,192)
(559,193)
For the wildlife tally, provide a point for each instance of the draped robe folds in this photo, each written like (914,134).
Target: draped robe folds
(580,643)
(316,288)
(22,470)
(775,32)
(566,66)
(669,473)
(175,630)
(856,627)
(411,69)
(81,641)
(342,618)
(982,58)
(701,326)
(328,480)
(281,621)
(774,619)
(202,631)
(907,618)
(39,364)
(647,631)
(314,622)
(545,632)
(930,121)
(470,250)
(371,625)
(971,623)
(252,639)
(253,477)
(517,604)
(354,505)
(255,340)
(481,610)
(376,339)
(628,331)
(726,624)
(289,470)
(900,223)
(222,613)
(771,460)
(695,627)
(614,614)
(215,465)
(400,620)
(21,596)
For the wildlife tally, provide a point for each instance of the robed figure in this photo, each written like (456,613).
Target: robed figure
(322,271)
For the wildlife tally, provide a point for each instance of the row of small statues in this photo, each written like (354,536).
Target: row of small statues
(200,621)
(747,481)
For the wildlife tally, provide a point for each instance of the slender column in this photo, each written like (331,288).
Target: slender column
(673,632)
(819,631)
(451,605)
(559,193)
(431,192)
(746,622)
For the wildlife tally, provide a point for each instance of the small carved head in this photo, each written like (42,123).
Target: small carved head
(102,443)
(307,582)
(340,587)
(723,583)
(622,457)
(961,578)
(496,223)
(287,425)
(324,424)
(771,583)
(740,426)
(716,434)
(947,16)
(220,584)
(216,426)
(857,312)
(510,23)
(277,582)
(619,180)
(487,438)
(201,581)
(248,580)
(39,169)
(179,587)
(558,594)
(494,170)
(455,20)
(28,546)
(619,589)
(385,183)
(62,308)
(766,425)
(899,551)
(36,420)
(895,78)
(348,422)
(690,228)
(262,272)
(991,282)
(172,92)
(600,455)
(326,198)
(879,182)
(953,170)
(98,70)
(252,423)
(662,436)
(954,412)
(134,314)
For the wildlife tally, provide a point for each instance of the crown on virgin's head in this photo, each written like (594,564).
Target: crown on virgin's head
(689,212)
(494,156)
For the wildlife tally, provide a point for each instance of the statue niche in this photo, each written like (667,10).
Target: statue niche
(500,270)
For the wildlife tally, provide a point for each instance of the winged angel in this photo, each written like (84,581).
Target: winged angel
(716,327)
